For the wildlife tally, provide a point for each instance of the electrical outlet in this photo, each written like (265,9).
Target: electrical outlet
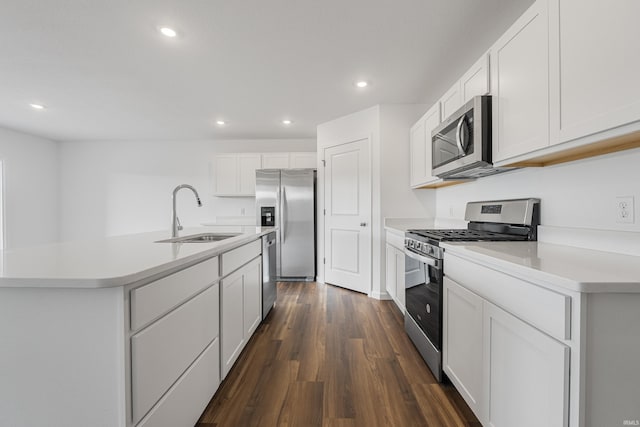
(624,210)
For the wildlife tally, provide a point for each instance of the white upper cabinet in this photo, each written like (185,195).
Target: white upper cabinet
(234,174)
(275,160)
(247,165)
(598,66)
(420,147)
(475,81)
(303,160)
(225,174)
(451,100)
(520,85)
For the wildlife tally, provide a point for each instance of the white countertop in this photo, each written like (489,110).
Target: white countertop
(576,269)
(401,225)
(112,261)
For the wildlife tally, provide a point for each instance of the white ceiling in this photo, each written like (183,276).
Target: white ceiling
(104,71)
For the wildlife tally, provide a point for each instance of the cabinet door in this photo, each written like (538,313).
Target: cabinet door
(520,85)
(462,342)
(391,273)
(183,404)
(417,152)
(451,101)
(225,174)
(252,300)
(475,81)
(303,160)
(275,161)
(232,327)
(526,374)
(247,165)
(400,292)
(420,147)
(599,66)
(155,366)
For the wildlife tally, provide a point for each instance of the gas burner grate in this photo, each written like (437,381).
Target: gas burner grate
(465,235)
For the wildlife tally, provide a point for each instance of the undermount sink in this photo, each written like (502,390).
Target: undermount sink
(200,238)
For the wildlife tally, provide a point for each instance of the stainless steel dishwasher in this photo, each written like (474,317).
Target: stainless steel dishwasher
(269,292)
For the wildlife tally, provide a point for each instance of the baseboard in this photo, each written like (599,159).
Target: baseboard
(379,295)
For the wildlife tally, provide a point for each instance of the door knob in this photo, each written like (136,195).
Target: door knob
(363,224)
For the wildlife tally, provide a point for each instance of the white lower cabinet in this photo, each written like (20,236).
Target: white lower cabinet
(241,310)
(252,299)
(462,342)
(391,271)
(175,346)
(232,320)
(185,401)
(508,371)
(156,365)
(400,289)
(526,373)
(395,268)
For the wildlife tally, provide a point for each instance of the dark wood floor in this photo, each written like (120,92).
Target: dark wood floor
(326,356)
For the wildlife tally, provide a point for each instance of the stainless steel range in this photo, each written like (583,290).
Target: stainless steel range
(502,220)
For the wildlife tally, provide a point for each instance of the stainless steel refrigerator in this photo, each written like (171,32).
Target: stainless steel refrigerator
(285,198)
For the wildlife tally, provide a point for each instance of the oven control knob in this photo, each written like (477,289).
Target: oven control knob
(418,245)
(428,308)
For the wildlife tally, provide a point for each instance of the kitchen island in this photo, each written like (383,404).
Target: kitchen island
(122,331)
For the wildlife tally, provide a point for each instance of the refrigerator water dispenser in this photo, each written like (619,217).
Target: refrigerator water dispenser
(267,216)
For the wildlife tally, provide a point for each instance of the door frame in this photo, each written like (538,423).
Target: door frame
(320,227)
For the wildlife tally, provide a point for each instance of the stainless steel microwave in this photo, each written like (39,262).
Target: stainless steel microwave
(462,143)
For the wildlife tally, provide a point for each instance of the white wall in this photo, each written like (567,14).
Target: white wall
(387,126)
(111,188)
(30,186)
(577,194)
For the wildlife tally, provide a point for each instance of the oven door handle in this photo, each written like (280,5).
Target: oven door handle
(426,260)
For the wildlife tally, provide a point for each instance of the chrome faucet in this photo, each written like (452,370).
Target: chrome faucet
(175,222)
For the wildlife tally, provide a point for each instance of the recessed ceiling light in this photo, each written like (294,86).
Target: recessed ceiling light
(169,32)
(362,84)
(221,122)
(286,122)
(37,106)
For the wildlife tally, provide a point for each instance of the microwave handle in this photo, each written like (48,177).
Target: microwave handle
(462,148)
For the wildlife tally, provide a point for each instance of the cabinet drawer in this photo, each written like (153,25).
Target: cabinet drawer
(395,240)
(151,301)
(236,258)
(184,402)
(163,351)
(545,309)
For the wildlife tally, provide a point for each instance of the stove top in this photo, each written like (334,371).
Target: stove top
(494,221)
(453,235)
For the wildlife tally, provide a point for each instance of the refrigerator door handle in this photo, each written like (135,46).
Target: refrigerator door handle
(283,215)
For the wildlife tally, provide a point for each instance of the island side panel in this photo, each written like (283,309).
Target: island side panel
(62,360)
(612,357)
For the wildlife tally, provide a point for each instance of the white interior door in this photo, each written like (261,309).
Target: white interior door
(347,240)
